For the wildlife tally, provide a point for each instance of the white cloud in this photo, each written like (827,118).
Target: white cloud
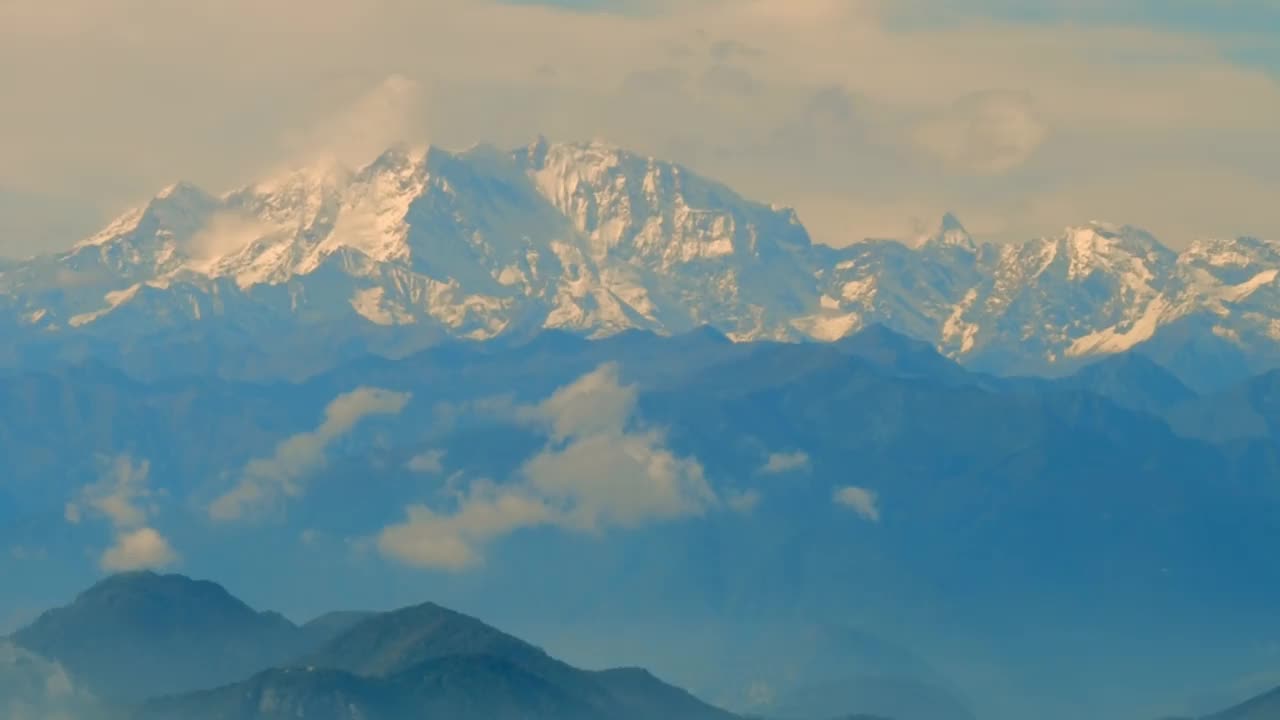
(137,550)
(860,500)
(595,404)
(226,233)
(785,462)
(431,461)
(619,479)
(124,498)
(121,495)
(453,542)
(265,481)
(599,470)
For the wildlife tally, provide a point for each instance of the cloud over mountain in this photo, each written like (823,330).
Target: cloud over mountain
(124,498)
(602,468)
(266,481)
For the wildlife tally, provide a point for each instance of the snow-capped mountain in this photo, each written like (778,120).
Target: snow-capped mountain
(593,239)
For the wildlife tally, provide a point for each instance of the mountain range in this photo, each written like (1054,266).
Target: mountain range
(328,262)
(153,647)
(418,661)
(989,517)
(925,479)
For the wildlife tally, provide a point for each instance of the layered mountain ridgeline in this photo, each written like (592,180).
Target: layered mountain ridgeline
(138,635)
(988,463)
(980,505)
(422,661)
(151,634)
(295,274)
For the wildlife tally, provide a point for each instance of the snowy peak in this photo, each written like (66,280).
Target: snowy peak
(639,206)
(593,239)
(948,232)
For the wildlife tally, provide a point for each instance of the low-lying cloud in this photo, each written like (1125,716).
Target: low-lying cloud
(125,499)
(600,469)
(138,549)
(265,481)
(33,688)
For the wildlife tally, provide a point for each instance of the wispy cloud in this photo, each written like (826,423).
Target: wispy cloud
(265,481)
(785,462)
(861,500)
(431,461)
(600,469)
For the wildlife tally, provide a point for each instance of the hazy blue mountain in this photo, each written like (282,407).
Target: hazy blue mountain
(137,635)
(427,661)
(999,502)
(324,628)
(1247,411)
(465,688)
(1133,381)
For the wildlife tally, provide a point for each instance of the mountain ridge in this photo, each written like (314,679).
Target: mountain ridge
(426,244)
(385,666)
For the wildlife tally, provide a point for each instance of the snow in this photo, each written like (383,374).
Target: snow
(126,223)
(592,238)
(371,304)
(1114,339)
(957,327)
(113,299)
(1237,293)
(826,327)
(859,289)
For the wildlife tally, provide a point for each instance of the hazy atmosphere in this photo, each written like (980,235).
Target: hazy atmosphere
(639,360)
(870,117)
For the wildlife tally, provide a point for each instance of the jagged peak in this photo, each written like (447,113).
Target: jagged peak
(950,223)
(1100,237)
(948,231)
(180,189)
(398,155)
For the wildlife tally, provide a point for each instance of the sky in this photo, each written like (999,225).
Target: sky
(870,117)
